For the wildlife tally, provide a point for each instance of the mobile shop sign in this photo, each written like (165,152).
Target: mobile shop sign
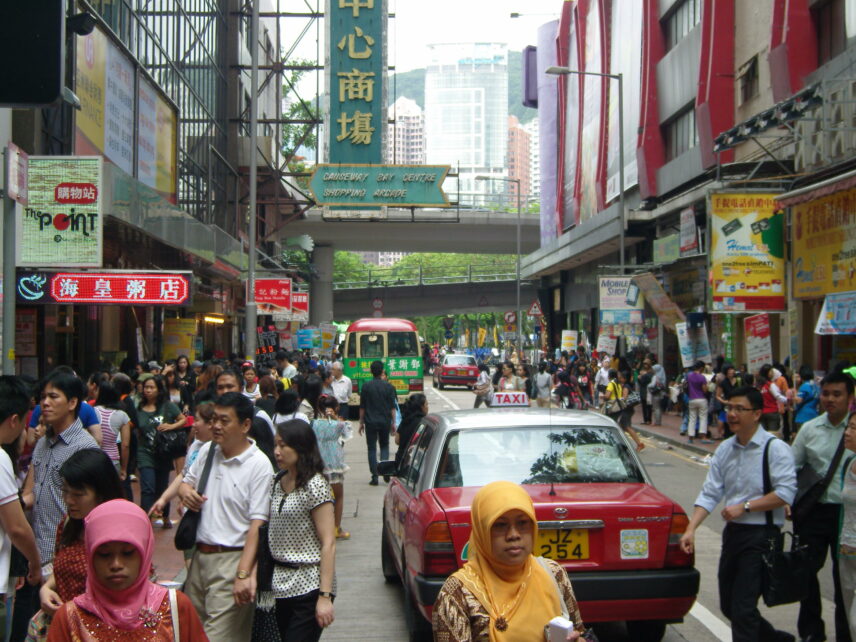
(105,288)
(62,225)
(748,255)
(356,120)
(273,294)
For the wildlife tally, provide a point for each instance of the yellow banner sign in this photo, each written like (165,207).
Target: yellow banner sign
(747,253)
(825,245)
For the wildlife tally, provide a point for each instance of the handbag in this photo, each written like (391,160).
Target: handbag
(633,399)
(185,532)
(811,486)
(265,562)
(785,574)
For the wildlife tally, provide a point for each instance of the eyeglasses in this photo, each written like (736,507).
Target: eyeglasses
(731,408)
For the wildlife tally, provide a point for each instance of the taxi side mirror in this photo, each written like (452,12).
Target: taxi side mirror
(387,468)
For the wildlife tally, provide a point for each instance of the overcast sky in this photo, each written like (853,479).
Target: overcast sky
(419,23)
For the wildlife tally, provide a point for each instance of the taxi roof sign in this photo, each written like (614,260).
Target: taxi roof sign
(509,400)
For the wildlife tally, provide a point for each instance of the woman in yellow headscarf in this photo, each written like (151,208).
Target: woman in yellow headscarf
(503,593)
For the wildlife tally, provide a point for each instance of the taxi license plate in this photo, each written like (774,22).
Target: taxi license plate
(562,544)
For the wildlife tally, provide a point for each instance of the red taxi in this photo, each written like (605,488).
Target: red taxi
(598,513)
(456,370)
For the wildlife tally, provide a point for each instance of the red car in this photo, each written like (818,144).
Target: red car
(456,370)
(598,513)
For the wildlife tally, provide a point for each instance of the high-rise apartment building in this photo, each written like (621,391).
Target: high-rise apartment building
(518,157)
(466,111)
(534,160)
(406,134)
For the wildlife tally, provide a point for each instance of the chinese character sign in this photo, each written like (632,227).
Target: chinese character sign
(62,223)
(106,288)
(273,294)
(356,121)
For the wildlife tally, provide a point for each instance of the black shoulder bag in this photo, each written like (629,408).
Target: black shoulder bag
(786,574)
(265,561)
(811,486)
(185,534)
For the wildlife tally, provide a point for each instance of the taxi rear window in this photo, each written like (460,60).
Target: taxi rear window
(536,455)
(460,360)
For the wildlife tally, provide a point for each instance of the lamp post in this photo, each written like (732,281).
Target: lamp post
(250,332)
(504,179)
(564,71)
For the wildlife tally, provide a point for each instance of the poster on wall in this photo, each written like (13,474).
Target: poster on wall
(179,338)
(569,341)
(748,253)
(606,344)
(824,247)
(759,348)
(693,344)
(838,314)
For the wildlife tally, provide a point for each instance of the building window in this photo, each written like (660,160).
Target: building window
(680,133)
(748,75)
(685,16)
(830,27)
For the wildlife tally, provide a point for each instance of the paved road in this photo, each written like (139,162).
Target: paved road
(369,609)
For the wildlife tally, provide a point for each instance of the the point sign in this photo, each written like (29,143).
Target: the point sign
(535,309)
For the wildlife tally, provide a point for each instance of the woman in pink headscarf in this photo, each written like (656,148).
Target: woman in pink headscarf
(120,603)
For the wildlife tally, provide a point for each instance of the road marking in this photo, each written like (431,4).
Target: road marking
(712,623)
(451,403)
(674,451)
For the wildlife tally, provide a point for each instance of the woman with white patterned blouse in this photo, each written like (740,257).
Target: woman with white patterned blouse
(302,535)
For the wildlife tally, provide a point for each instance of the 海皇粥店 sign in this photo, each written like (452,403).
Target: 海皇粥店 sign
(105,288)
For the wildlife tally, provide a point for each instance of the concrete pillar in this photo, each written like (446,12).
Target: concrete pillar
(321,293)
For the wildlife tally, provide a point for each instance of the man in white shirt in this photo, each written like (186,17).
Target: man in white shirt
(341,386)
(221,582)
(286,368)
(14,527)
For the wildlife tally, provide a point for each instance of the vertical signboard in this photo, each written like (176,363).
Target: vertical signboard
(589,188)
(693,343)
(748,253)
(689,233)
(759,348)
(62,224)
(356,120)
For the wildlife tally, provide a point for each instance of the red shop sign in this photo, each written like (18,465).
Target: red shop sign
(274,292)
(300,302)
(106,288)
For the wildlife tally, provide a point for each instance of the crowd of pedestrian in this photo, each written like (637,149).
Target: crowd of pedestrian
(85,473)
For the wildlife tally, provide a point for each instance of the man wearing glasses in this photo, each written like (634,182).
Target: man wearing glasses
(736,478)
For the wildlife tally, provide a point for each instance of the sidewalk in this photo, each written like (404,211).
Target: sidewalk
(670,432)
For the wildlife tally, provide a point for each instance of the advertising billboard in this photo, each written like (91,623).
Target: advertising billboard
(123,116)
(747,253)
(824,246)
(591,133)
(759,349)
(625,45)
(62,223)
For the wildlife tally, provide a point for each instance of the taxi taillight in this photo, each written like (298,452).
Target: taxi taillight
(674,555)
(438,552)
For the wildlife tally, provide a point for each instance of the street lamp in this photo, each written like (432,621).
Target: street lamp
(564,71)
(519,315)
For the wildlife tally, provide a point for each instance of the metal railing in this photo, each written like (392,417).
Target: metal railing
(402,276)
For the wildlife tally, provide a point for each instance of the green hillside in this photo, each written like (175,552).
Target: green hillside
(412,85)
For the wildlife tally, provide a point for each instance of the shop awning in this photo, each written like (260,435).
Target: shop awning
(817,190)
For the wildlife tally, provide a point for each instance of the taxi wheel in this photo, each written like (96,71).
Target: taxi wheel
(387,565)
(646,630)
(418,628)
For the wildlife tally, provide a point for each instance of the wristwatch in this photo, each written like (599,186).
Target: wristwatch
(746,506)
(242,575)
(326,594)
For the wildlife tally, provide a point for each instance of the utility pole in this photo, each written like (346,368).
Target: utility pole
(250,331)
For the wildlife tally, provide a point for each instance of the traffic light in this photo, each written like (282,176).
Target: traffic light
(32,51)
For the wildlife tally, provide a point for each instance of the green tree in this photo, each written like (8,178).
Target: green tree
(302,118)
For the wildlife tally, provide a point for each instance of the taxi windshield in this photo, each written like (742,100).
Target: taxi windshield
(536,455)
